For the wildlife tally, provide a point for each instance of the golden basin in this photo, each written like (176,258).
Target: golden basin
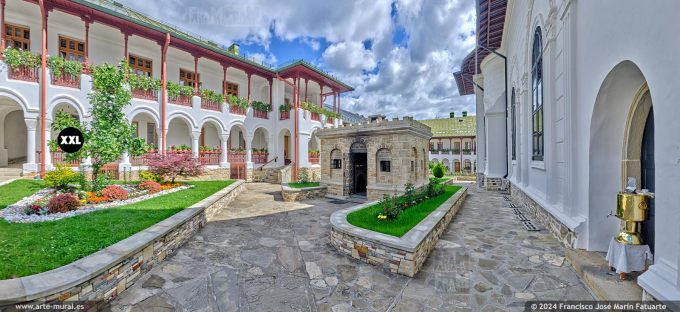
(632,207)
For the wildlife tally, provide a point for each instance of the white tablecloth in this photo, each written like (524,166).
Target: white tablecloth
(628,258)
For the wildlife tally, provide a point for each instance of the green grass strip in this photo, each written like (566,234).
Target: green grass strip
(303,184)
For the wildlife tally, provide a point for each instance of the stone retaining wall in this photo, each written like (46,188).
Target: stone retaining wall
(100,277)
(268,175)
(563,234)
(291,194)
(403,255)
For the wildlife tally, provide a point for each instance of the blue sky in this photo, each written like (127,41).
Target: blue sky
(399,55)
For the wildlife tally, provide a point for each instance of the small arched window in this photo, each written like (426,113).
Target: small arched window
(336,159)
(537,96)
(384,160)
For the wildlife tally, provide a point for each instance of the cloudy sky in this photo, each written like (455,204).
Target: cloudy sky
(399,55)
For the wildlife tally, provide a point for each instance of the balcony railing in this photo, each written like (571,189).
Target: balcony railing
(237,110)
(260,157)
(66,80)
(260,114)
(434,151)
(183,100)
(313,158)
(209,157)
(456,151)
(329,120)
(236,157)
(316,117)
(23,73)
(467,151)
(59,158)
(150,95)
(177,152)
(284,115)
(142,160)
(210,105)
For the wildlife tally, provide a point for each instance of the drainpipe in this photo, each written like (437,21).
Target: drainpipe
(505,71)
(164,87)
(43,61)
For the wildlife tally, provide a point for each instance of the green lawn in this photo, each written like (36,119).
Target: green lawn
(16,190)
(367,218)
(27,249)
(303,184)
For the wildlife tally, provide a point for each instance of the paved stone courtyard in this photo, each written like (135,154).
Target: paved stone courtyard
(263,254)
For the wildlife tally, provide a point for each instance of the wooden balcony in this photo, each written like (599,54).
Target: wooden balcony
(209,157)
(210,105)
(313,158)
(59,158)
(284,115)
(316,117)
(260,114)
(182,100)
(236,157)
(329,120)
(66,80)
(149,95)
(260,157)
(237,110)
(23,73)
(142,160)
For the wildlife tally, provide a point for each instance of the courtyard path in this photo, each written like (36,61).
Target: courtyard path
(262,254)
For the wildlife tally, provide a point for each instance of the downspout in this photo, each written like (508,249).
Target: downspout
(505,63)
(43,64)
(164,87)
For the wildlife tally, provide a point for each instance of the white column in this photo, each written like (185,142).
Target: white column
(224,160)
(194,142)
(159,134)
(249,151)
(31,124)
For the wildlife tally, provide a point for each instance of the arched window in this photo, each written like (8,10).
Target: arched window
(537,96)
(384,158)
(513,111)
(336,159)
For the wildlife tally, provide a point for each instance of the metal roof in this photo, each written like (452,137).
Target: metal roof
(452,127)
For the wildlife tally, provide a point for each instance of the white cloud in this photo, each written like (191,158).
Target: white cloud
(263,58)
(349,57)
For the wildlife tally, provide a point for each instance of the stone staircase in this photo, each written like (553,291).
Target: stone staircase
(9,173)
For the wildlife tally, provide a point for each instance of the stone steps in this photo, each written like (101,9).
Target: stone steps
(10,173)
(593,269)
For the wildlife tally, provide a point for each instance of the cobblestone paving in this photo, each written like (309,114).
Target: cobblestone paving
(262,254)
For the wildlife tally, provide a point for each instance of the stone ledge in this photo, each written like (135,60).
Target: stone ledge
(404,255)
(146,248)
(291,194)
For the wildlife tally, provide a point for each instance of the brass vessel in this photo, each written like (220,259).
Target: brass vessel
(631,208)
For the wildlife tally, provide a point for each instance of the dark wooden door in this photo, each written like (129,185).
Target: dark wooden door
(647,170)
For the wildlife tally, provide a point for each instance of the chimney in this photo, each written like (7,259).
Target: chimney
(233,48)
(452,115)
(464,113)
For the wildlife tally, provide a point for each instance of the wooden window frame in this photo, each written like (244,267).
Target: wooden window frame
(189,81)
(227,91)
(66,52)
(12,39)
(385,166)
(135,124)
(136,68)
(155,133)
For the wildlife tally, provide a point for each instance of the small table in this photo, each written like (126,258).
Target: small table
(628,258)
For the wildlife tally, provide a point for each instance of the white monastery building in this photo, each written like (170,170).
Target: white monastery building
(573,97)
(222,136)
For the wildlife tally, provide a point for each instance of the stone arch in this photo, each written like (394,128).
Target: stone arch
(64,99)
(180,128)
(143,117)
(14,133)
(16,98)
(261,145)
(285,137)
(184,116)
(215,121)
(446,164)
(210,138)
(620,94)
(145,110)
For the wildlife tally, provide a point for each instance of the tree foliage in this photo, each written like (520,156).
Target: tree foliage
(175,165)
(438,170)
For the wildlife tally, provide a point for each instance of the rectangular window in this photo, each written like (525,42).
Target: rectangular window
(151,135)
(440,145)
(336,164)
(413,166)
(385,165)
(18,37)
(186,77)
(140,65)
(135,125)
(71,49)
(231,88)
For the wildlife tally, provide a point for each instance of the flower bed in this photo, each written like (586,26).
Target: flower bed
(36,208)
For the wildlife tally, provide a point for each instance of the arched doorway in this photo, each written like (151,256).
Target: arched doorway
(359,161)
(13,135)
(620,129)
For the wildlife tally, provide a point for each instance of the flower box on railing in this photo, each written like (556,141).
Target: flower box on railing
(150,95)
(284,115)
(184,100)
(236,157)
(209,157)
(142,160)
(171,151)
(260,157)
(237,110)
(66,80)
(316,117)
(329,120)
(210,105)
(466,151)
(23,73)
(456,151)
(260,114)
(59,158)
(313,158)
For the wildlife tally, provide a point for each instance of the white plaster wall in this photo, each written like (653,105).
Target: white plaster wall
(15,135)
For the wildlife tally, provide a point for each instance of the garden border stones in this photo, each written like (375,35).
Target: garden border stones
(403,255)
(103,275)
(291,194)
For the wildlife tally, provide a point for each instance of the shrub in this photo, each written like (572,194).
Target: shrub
(390,207)
(100,182)
(151,186)
(303,175)
(173,165)
(61,177)
(434,188)
(438,170)
(149,176)
(63,203)
(115,192)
